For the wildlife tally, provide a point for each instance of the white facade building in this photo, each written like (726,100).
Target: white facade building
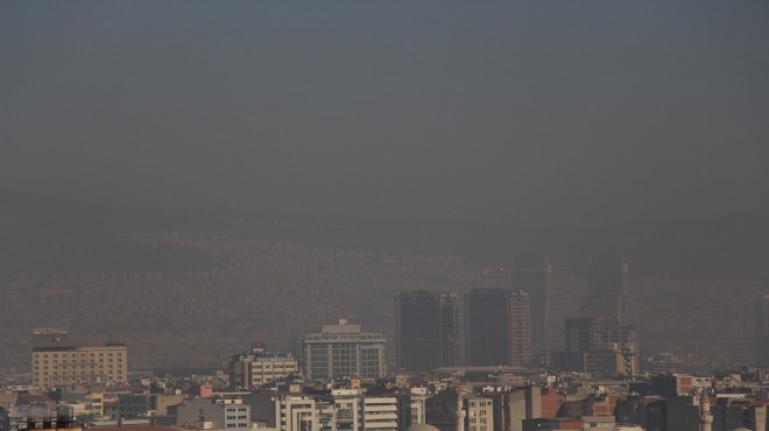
(343,350)
(283,411)
(379,414)
(225,416)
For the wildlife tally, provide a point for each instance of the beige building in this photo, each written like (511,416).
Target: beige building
(58,365)
(251,370)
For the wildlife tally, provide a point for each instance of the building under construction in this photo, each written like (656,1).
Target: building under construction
(532,275)
(427,330)
(498,327)
(597,347)
(607,288)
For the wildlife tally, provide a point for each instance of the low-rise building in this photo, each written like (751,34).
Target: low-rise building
(283,411)
(226,416)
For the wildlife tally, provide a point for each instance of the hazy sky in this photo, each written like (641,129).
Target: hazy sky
(542,112)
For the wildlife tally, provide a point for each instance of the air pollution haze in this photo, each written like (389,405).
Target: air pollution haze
(228,171)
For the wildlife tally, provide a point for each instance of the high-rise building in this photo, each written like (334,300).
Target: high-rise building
(607,288)
(343,350)
(598,347)
(427,330)
(762,331)
(498,327)
(62,363)
(532,275)
(581,334)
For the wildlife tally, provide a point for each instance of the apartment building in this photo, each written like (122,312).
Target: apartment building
(205,412)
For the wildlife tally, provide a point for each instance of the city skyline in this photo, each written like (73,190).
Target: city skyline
(188,178)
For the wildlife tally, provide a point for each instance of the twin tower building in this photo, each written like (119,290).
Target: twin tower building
(500,326)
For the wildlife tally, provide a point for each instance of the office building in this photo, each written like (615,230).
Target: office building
(253,369)
(343,350)
(607,288)
(427,330)
(498,327)
(532,275)
(762,331)
(61,363)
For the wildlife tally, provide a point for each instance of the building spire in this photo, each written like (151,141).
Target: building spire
(706,417)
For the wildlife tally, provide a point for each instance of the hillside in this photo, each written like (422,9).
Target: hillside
(188,288)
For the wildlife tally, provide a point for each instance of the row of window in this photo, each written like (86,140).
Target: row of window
(100,368)
(75,361)
(82,355)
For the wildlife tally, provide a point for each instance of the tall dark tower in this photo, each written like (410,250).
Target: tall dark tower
(607,288)
(762,331)
(427,330)
(498,327)
(532,275)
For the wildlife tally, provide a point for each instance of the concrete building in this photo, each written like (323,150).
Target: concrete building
(62,363)
(762,331)
(206,413)
(532,275)
(379,413)
(283,411)
(445,410)
(523,403)
(254,369)
(343,350)
(411,410)
(479,413)
(164,405)
(598,348)
(132,406)
(346,405)
(427,330)
(452,410)
(43,417)
(498,327)
(607,288)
